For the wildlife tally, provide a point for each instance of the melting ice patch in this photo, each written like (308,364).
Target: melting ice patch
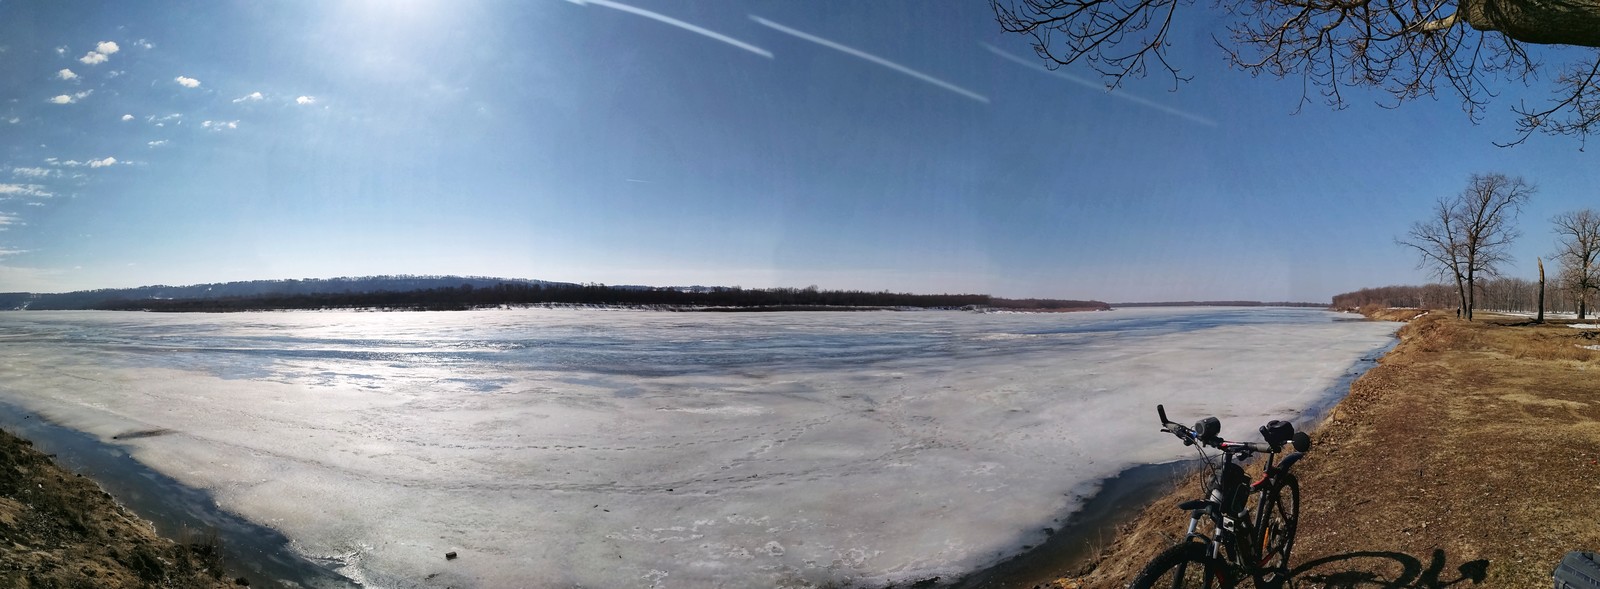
(638,449)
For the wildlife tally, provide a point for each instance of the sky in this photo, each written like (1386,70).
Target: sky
(886,145)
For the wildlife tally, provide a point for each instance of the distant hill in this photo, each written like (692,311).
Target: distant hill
(92,299)
(467,292)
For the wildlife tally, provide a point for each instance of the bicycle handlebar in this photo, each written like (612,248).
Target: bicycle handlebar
(1183,432)
(1190,437)
(1262,447)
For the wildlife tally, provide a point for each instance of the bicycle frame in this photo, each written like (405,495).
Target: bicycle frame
(1227,529)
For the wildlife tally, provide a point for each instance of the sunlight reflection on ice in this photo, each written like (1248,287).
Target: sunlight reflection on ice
(621,448)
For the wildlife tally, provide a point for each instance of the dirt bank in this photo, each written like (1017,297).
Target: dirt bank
(1469,456)
(58,529)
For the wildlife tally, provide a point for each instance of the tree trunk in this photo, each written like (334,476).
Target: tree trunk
(1472,294)
(1541,292)
(1548,22)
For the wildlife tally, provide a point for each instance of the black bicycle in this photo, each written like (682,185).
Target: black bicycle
(1243,540)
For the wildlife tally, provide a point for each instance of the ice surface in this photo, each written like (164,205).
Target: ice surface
(1584,326)
(647,449)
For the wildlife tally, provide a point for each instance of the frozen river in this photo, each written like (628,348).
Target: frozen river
(561,448)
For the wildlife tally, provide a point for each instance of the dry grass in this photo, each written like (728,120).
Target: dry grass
(1469,456)
(58,529)
(1401,314)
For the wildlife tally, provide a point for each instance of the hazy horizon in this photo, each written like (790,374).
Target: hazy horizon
(670,285)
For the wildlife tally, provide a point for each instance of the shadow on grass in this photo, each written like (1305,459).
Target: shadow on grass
(1385,570)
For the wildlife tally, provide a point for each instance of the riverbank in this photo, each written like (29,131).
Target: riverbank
(58,529)
(232,547)
(1470,454)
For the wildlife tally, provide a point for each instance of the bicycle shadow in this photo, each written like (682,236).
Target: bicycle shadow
(1383,570)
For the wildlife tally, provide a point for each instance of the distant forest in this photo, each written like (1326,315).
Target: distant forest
(454,293)
(1222,304)
(1498,294)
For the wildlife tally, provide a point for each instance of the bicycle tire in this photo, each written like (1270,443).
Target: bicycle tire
(1183,566)
(1277,520)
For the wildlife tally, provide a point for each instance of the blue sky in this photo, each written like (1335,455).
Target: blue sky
(868,145)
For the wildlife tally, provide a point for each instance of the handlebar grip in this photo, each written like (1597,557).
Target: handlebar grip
(1262,447)
(1161,411)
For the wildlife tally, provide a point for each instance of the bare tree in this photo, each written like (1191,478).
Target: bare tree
(1437,242)
(1468,234)
(1488,207)
(1579,254)
(1408,48)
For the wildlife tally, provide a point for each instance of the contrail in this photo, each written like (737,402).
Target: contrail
(677,23)
(1101,87)
(874,59)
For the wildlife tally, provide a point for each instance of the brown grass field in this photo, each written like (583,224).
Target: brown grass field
(1470,456)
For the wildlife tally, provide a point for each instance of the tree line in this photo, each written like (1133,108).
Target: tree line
(1495,294)
(467,296)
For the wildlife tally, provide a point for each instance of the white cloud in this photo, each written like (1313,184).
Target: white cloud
(187,82)
(99,163)
(306,100)
(34,190)
(34,172)
(127,117)
(102,52)
(220,125)
(14,120)
(7,220)
(66,74)
(157,143)
(66,99)
(143,44)
(10,252)
(251,97)
(62,50)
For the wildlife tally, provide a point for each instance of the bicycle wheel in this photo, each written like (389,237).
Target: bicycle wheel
(1184,566)
(1277,518)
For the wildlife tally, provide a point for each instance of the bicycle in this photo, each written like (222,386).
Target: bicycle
(1242,543)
